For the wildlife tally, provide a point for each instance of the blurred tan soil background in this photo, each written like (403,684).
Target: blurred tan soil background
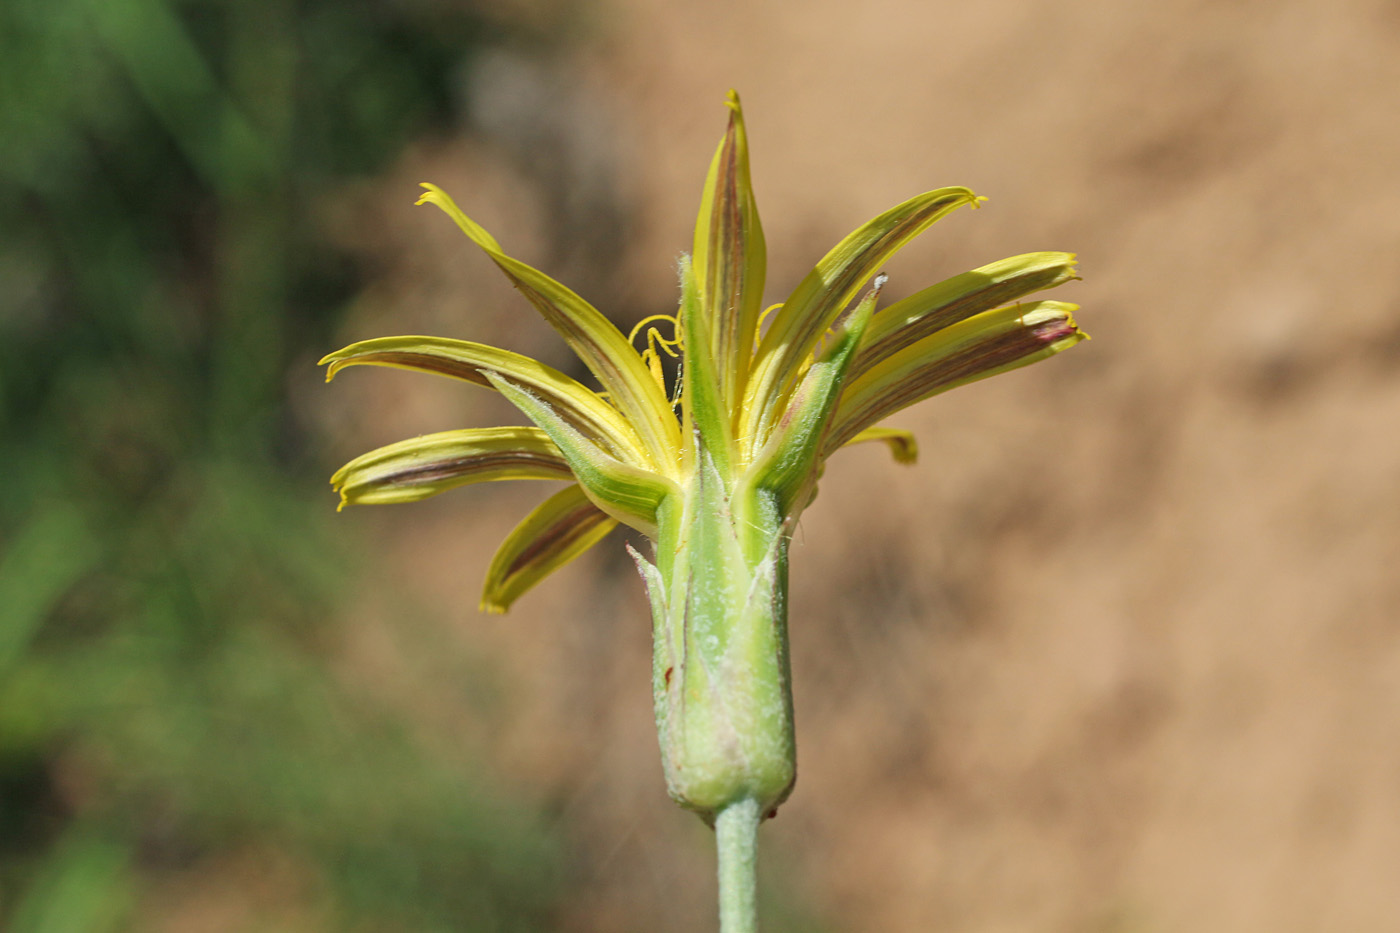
(1122,652)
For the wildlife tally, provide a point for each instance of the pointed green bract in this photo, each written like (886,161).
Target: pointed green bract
(596,340)
(704,412)
(787,465)
(626,492)
(425,466)
(730,255)
(721,676)
(557,531)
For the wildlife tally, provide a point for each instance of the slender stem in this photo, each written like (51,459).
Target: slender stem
(736,838)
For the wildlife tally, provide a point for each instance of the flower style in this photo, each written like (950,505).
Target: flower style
(716,468)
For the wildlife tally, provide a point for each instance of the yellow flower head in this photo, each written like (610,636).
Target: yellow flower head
(756,409)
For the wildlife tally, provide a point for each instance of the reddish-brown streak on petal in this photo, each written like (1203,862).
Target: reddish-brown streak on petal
(1004,349)
(958,310)
(575,523)
(468,372)
(431,363)
(464,466)
(1053,330)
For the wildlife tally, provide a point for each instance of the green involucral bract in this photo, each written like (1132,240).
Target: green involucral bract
(717,479)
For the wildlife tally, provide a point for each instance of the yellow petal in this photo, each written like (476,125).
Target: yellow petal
(988,343)
(730,256)
(425,466)
(820,298)
(560,529)
(462,359)
(959,298)
(903,447)
(598,343)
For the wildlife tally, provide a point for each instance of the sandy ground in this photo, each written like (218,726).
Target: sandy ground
(1122,652)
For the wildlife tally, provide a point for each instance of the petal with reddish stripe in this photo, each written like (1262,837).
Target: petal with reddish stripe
(820,298)
(988,343)
(462,359)
(598,343)
(557,531)
(958,299)
(730,256)
(425,466)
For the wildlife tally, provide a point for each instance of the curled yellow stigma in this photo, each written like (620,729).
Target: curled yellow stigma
(656,342)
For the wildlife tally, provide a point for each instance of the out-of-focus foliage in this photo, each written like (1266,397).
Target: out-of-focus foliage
(167,575)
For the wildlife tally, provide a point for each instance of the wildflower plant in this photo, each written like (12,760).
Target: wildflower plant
(715,467)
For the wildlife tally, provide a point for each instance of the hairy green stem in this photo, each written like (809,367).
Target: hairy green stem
(736,840)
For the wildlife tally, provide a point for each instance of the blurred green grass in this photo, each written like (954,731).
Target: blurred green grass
(167,572)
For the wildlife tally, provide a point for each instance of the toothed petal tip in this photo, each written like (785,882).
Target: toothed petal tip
(1060,324)
(432,195)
